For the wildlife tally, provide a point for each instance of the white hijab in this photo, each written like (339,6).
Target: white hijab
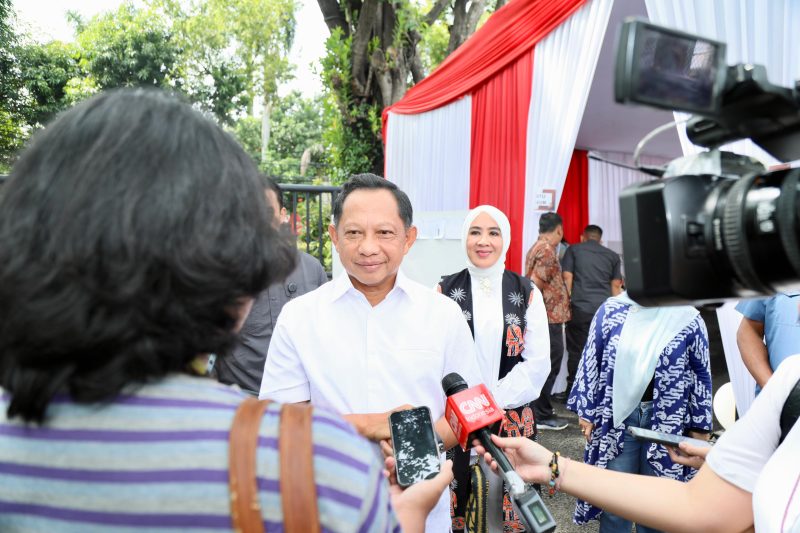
(645,334)
(496,270)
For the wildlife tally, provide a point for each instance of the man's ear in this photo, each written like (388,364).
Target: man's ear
(334,236)
(411,237)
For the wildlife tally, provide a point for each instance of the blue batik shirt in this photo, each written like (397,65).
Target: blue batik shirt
(681,394)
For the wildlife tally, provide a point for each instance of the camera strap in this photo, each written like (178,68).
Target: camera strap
(790,411)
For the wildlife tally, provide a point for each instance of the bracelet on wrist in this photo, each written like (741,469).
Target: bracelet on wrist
(554,474)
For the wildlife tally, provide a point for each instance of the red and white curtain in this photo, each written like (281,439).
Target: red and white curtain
(496,122)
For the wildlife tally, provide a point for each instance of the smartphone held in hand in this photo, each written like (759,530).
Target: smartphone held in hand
(667,439)
(416,450)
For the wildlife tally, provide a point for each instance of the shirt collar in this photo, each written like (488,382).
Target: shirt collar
(342,284)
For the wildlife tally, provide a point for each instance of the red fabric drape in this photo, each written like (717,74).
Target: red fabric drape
(574,204)
(510,32)
(499,135)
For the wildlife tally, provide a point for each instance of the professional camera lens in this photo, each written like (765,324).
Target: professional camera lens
(759,221)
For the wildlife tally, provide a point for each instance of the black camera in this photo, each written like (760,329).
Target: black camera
(717,225)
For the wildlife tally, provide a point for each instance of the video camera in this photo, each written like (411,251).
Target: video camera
(718,225)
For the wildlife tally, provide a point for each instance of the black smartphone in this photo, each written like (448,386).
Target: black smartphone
(415,448)
(668,439)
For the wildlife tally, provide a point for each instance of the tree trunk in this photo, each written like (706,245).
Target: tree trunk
(266,111)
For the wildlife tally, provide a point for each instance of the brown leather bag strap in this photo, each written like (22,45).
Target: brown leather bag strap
(298,490)
(243,442)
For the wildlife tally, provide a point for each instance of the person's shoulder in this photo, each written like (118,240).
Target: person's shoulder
(308,301)
(309,261)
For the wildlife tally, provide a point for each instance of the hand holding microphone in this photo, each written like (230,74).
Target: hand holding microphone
(471,412)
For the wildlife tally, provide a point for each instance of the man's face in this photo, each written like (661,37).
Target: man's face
(558,234)
(371,239)
(279,212)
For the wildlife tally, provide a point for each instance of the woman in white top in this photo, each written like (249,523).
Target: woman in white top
(751,478)
(506,314)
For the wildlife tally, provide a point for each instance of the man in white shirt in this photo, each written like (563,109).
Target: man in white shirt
(372,340)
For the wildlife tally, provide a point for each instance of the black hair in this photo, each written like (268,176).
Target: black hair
(270,185)
(593,232)
(130,230)
(371,181)
(548,222)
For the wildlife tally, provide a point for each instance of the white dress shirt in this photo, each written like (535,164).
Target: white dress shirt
(332,347)
(523,383)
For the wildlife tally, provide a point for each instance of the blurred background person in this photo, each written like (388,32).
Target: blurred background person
(768,333)
(543,268)
(592,273)
(245,365)
(507,317)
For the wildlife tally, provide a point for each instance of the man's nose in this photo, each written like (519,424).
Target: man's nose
(368,245)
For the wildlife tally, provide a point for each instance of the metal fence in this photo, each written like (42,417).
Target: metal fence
(309,208)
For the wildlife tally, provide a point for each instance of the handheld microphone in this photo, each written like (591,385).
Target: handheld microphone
(471,413)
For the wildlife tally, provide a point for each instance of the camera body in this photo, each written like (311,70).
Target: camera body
(717,226)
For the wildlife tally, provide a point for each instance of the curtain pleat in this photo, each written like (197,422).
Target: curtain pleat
(562,76)
(574,204)
(429,156)
(499,131)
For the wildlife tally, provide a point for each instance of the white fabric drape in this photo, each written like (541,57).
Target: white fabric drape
(744,386)
(428,155)
(563,68)
(758,32)
(606,181)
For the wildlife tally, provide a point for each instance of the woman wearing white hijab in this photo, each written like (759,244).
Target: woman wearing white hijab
(506,314)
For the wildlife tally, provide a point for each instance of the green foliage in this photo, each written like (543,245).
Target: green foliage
(433,46)
(46,70)
(296,127)
(352,137)
(129,47)
(247,131)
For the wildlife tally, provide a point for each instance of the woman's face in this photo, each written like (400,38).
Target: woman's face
(484,241)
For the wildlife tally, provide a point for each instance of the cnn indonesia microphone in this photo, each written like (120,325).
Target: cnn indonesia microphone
(472,413)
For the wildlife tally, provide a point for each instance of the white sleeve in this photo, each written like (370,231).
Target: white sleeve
(284,378)
(745,448)
(524,383)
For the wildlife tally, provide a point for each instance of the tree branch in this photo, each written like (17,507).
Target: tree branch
(436,10)
(366,22)
(333,15)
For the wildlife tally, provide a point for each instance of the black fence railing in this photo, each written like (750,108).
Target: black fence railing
(309,208)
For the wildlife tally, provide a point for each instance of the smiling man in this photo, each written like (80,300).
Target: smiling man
(372,340)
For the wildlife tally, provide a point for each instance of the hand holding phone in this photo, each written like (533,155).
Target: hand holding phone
(667,439)
(416,451)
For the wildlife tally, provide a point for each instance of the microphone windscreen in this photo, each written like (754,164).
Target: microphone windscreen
(453,383)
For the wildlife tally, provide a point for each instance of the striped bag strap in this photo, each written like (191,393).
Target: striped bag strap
(298,490)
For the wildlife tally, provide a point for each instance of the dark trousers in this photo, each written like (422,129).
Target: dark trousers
(543,406)
(577,333)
